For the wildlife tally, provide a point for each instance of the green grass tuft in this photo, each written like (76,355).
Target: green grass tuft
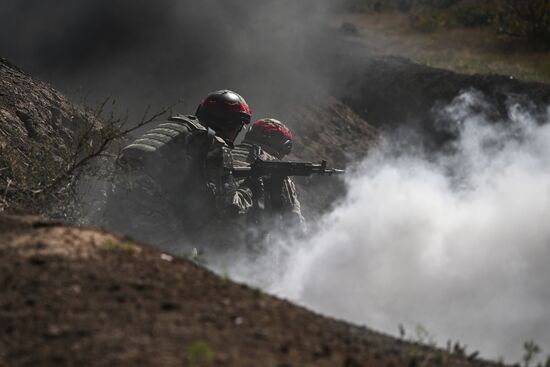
(199,352)
(119,246)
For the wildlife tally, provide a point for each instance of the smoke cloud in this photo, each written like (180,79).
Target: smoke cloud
(142,52)
(457,243)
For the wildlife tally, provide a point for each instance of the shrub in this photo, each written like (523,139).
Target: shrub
(433,21)
(199,353)
(527,19)
(472,13)
(38,175)
(362,6)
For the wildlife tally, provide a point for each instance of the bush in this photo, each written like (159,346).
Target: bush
(472,13)
(523,19)
(38,175)
(199,353)
(365,6)
(438,4)
(433,21)
(526,19)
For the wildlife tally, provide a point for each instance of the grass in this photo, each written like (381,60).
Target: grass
(197,256)
(435,354)
(441,356)
(466,50)
(119,246)
(199,353)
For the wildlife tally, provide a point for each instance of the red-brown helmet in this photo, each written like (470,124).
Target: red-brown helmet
(271,135)
(224,111)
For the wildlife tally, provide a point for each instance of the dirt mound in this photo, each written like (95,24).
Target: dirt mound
(72,296)
(38,129)
(393,91)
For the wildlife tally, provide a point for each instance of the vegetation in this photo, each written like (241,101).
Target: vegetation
(505,37)
(41,174)
(199,353)
(119,246)
(440,356)
(197,256)
(527,20)
(531,350)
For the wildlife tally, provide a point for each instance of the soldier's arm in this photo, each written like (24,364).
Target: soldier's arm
(233,198)
(292,208)
(242,200)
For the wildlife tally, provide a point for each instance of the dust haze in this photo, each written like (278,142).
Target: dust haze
(457,243)
(158,53)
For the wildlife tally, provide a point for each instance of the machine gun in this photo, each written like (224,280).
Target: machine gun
(275,172)
(261,168)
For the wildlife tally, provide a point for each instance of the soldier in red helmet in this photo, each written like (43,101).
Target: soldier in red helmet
(275,140)
(176,178)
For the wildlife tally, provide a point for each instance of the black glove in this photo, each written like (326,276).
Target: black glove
(256,186)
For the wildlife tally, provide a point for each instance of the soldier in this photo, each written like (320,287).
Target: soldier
(176,178)
(275,141)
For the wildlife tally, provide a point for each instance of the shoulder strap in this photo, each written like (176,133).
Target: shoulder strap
(196,126)
(189,120)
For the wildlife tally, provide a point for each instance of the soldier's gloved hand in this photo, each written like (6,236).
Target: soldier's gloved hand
(256,186)
(226,193)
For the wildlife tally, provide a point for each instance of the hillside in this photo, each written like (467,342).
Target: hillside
(40,131)
(77,296)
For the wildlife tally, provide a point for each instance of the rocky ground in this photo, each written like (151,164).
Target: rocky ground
(81,297)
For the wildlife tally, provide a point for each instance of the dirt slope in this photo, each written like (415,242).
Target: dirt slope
(38,130)
(421,90)
(389,91)
(81,297)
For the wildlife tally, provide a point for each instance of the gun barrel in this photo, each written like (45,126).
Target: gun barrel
(284,168)
(335,171)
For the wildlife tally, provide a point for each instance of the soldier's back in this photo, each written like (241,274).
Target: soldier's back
(154,176)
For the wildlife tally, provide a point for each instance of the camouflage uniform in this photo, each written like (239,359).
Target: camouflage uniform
(288,209)
(174,180)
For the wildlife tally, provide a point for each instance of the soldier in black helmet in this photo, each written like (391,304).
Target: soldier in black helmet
(176,178)
(275,142)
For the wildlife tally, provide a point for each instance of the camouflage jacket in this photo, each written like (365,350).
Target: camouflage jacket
(174,180)
(243,155)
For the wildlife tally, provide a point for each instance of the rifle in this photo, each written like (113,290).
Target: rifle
(277,171)
(261,168)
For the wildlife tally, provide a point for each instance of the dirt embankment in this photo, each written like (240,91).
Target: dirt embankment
(38,130)
(417,89)
(81,297)
(389,91)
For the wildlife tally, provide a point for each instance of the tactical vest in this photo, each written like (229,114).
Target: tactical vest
(175,154)
(159,142)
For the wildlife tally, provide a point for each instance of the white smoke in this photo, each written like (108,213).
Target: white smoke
(459,243)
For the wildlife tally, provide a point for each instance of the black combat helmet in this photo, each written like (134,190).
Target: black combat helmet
(224,111)
(271,135)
